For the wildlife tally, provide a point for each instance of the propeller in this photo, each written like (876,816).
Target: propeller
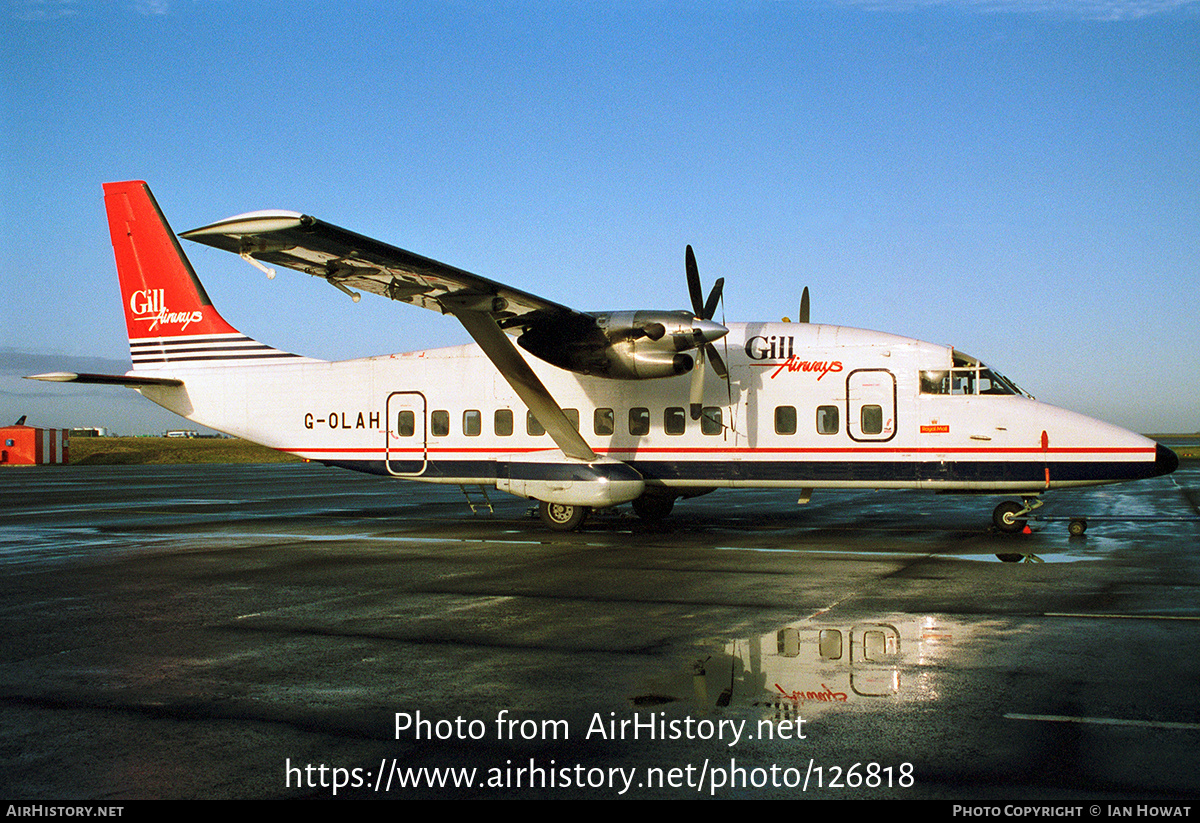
(803,316)
(703,310)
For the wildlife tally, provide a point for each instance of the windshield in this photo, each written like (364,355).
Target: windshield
(968,376)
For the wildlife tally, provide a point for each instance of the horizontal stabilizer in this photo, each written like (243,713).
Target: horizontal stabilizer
(105,379)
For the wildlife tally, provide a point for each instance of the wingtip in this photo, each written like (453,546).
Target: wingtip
(54,377)
(254,222)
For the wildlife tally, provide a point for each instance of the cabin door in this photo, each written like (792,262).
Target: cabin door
(406,451)
(875,659)
(871,405)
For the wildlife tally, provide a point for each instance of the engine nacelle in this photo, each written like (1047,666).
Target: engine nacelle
(627,345)
(642,361)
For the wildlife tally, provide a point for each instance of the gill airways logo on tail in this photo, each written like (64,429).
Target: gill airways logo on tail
(149,305)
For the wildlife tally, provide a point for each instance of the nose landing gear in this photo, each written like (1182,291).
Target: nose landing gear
(1009,515)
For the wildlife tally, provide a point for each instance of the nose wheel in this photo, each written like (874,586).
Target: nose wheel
(1009,516)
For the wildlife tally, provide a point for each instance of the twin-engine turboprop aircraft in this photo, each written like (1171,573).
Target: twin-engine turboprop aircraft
(588,410)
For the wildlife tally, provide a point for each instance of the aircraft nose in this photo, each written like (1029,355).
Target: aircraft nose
(1165,460)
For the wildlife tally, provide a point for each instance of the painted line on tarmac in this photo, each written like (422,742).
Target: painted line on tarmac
(1104,721)
(309,537)
(854,552)
(1123,616)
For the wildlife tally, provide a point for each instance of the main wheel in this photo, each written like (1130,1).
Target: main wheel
(1078,527)
(562,517)
(1005,516)
(653,507)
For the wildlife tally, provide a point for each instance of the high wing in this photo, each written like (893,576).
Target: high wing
(633,345)
(298,241)
(627,345)
(484,308)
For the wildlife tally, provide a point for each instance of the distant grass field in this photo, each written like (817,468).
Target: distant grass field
(1186,446)
(114,451)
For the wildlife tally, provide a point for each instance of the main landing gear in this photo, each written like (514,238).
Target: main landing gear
(653,507)
(562,517)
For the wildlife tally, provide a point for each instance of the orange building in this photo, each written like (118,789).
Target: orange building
(31,446)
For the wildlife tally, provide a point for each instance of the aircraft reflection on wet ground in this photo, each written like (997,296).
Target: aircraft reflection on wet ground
(813,666)
(185,631)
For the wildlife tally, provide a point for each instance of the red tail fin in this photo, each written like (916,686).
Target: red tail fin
(160,290)
(168,314)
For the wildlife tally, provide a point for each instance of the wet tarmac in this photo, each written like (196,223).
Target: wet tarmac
(296,631)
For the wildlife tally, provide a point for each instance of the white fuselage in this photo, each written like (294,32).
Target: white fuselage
(806,406)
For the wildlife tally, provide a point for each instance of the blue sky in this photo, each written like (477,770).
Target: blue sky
(1018,179)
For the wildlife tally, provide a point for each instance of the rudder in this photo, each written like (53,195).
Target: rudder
(168,314)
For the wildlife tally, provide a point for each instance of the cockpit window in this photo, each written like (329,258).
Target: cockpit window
(967,376)
(993,382)
(935,382)
(963,360)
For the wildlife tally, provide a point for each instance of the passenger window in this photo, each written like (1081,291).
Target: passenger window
(872,419)
(785,419)
(439,423)
(639,421)
(878,646)
(472,422)
(406,424)
(829,644)
(503,422)
(603,421)
(710,420)
(787,641)
(532,427)
(827,419)
(674,421)
(573,417)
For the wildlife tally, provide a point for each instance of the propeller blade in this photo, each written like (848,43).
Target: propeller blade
(717,363)
(804,306)
(703,332)
(696,395)
(693,281)
(714,297)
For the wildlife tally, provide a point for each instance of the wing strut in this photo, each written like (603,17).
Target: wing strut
(504,355)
